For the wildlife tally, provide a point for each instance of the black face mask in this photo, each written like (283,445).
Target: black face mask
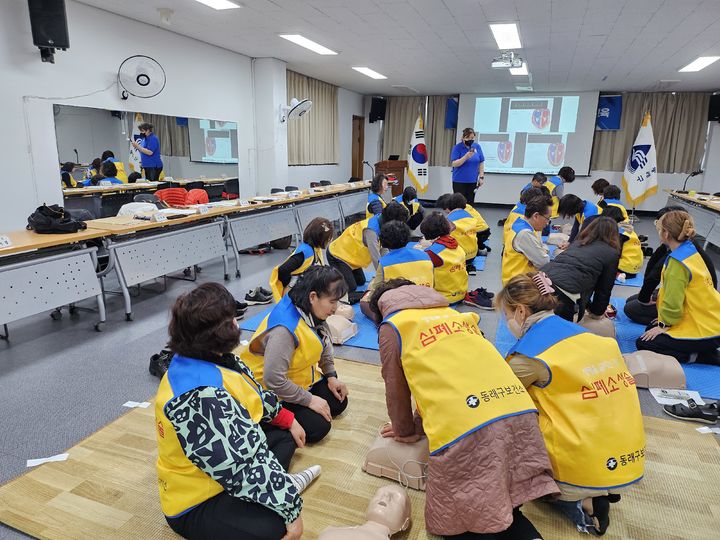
(468,143)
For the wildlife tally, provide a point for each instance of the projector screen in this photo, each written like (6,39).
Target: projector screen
(526,133)
(212,141)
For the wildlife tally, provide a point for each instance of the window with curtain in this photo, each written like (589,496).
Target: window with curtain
(679,125)
(313,138)
(174,139)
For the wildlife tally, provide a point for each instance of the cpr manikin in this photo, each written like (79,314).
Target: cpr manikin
(388,513)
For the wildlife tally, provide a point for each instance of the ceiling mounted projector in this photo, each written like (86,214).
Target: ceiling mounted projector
(507,59)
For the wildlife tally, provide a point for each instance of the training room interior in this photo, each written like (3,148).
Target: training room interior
(222,77)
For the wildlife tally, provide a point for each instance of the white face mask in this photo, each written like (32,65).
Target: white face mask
(514,327)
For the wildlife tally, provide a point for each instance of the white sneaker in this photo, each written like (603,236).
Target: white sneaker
(304,478)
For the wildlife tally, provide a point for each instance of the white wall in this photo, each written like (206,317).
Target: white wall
(30,156)
(89,131)
(270,92)
(349,104)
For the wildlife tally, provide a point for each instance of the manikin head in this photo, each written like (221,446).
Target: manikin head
(390,507)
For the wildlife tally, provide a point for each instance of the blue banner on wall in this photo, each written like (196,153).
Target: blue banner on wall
(451,114)
(609,112)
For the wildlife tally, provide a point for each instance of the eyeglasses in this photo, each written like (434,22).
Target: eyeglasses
(547,218)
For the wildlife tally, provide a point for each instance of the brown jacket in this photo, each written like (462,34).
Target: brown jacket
(473,485)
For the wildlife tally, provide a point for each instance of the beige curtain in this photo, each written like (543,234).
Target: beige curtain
(313,138)
(679,126)
(400,116)
(174,139)
(439,140)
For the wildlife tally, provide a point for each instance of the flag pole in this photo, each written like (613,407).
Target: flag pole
(633,218)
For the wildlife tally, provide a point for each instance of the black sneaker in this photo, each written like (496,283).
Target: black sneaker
(483,291)
(478,301)
(471,270)
(159,363)
(255,297)
(642,238)
(265,291)
(240,308)
(501,222)
(692,412)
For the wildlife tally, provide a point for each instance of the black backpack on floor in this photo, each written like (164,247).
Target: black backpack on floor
(53,219)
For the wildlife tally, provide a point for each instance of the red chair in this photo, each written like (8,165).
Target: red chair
(197,196)
(173,196)
(231,189)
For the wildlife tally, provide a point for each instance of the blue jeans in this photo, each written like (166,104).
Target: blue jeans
(575,512)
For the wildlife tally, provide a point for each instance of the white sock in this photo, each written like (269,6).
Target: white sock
(304,478)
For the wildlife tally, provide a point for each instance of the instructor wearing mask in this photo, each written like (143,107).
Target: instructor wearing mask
(468,163)
(149,148)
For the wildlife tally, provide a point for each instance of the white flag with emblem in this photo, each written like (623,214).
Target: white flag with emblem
(640,177)
(134,158)
(417,167)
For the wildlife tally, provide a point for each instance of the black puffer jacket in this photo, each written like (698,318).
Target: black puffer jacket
(586,270)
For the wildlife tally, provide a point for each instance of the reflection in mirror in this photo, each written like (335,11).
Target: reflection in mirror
(109,157)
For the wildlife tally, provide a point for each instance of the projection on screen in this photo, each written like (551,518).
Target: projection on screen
(525,134)
(213,141)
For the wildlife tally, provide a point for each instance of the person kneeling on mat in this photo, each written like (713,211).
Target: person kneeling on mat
(582,387)
(688,322)
(487,455)
(292,342)
(224,443)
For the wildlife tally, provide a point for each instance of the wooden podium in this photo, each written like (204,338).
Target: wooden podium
(396,167)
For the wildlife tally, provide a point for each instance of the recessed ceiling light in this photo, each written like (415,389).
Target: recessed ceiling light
(506,35)
(370,73)
(701,63)
(219,4)
(522,70)
(297,39)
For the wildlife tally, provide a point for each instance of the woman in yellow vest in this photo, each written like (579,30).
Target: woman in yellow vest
(316,237)
(688,321)
(291,353)
(581,387)
(573,206)
(108,155)
(224,443)
(376,203)
(556,186)
(487,456)
(524,250)
(401,260)
(519,209)
(409,200)
(466,227)
(611,198)
(448,258)
(631,256)
(359,245)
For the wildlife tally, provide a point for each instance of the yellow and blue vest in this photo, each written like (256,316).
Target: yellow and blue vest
(308,345)
(466,228)
(414,204)
(372,197)
(589,409)
(514,262)
(631,258)
(349,246)
(479,220)
(451,279)
(616,202)
(458,379)
(120,166)
(408,263)
(517,211)
(311,255)
(552,184)
(589,209)
(701,306)
(182,484)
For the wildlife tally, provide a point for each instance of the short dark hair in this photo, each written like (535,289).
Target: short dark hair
(394,235)
(567,174)
(323,280)
(613,212)
(203,322)
(660,213)
(443,201)
(611,192)
(381,289)
(434,225)
(530,193)
(570,205)
(318,232)
(108,169)
(603,229)
(96,163)
(537,204)
(68,167)
(394,211)
(599,185)
(134,177)
(409,193)
(540,177)
(377,181)
(457,201)
(145,126)
(95,180)
(467,132)
(107,154)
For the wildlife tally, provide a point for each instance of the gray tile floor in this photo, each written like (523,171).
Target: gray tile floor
(61,380)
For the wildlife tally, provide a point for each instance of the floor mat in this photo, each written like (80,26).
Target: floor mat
(108,486)
(366,338)
(637,281)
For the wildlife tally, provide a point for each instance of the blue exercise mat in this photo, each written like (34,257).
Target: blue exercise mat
(366,338)
(702,378)
(637,281)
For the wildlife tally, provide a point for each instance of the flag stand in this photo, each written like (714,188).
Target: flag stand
(633,218)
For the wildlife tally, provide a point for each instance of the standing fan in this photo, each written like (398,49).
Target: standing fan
(295,110)
(140,76)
